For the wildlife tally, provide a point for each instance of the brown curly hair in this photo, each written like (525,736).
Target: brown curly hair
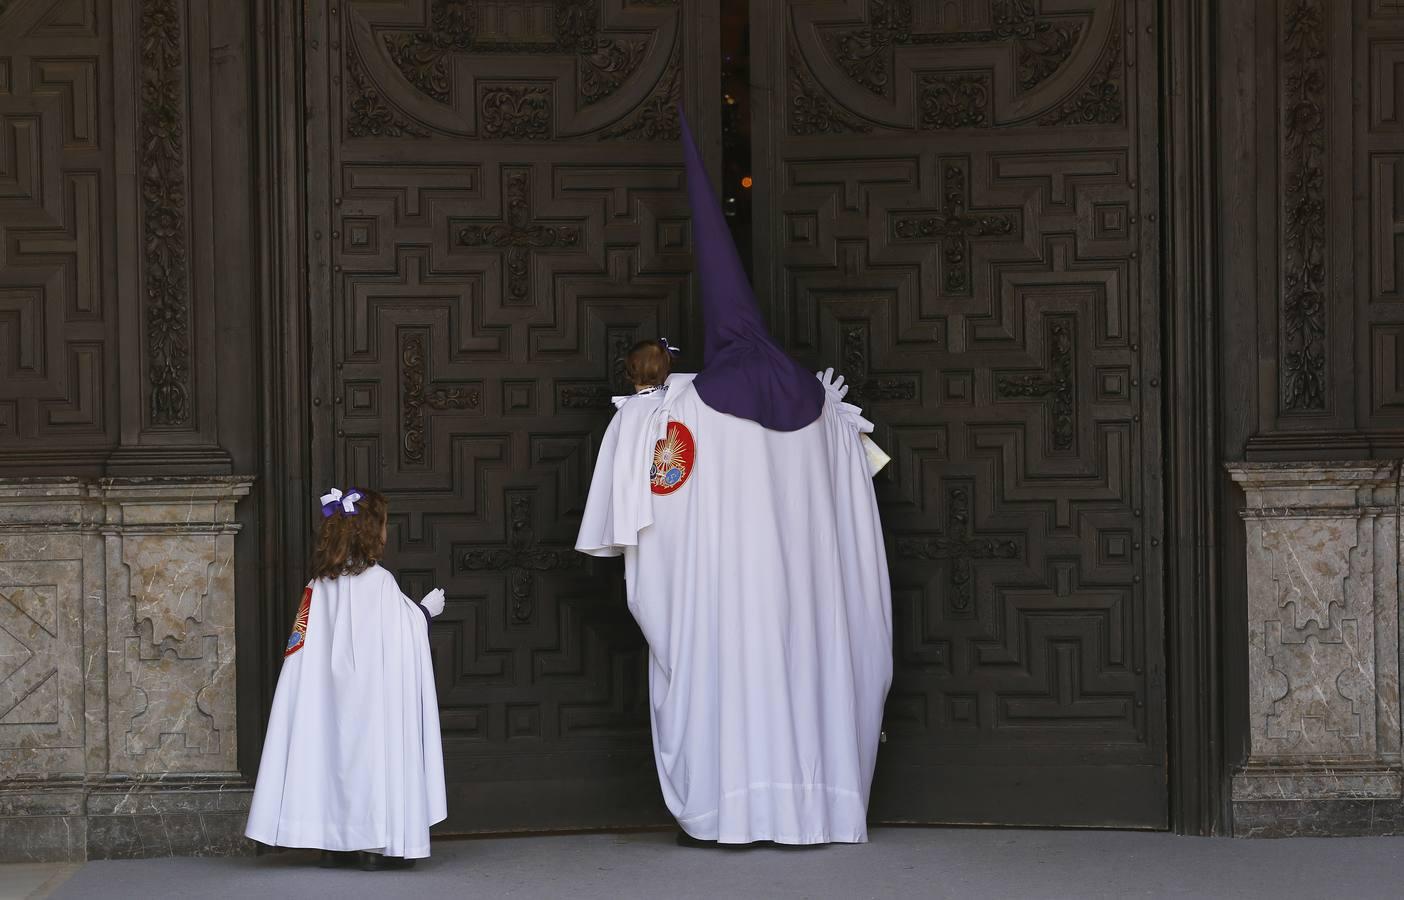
(648,363)
(348,545)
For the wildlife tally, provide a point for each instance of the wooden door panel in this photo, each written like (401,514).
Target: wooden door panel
(497,211)
(959,202)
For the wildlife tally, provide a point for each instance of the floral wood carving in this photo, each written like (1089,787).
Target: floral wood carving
(656,119)
(516,113)
(548,27)
(367,113)
(163,195)
(812,111)
(1099,101)
(604,70)
(954,100)
(1304,189)
(866,52)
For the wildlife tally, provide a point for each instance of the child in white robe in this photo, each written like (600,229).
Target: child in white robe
(352,762)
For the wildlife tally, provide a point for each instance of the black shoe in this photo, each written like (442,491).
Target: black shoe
(335,859)
(687,840)
(375,862)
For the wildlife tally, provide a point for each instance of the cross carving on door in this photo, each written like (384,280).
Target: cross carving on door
(518,235)
(960,545)
(417,394)
(1057,383)
(953,226)
(521,559)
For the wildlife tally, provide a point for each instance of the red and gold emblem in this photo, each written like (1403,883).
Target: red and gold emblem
(673,458)
(299,632)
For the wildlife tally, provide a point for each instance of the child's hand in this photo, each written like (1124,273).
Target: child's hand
(433,601)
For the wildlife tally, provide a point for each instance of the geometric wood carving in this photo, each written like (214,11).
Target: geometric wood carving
(58,341)
(494,252)
(983,290)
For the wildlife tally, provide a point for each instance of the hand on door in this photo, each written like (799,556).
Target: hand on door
(433,601)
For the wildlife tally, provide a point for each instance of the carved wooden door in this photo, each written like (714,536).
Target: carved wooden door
(497,211)
(958,202)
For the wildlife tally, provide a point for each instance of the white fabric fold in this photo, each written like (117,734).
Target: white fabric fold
(352,759)
(761,587)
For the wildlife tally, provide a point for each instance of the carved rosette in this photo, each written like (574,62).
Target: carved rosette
(164,213)
(1304,258)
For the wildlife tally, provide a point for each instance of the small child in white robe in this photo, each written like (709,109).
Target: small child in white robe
(352,762)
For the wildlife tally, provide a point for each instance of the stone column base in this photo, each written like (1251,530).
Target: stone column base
(117,677)
(1317,800)
(71,821)
(1323,650)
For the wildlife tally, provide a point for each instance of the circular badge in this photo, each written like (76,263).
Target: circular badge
(673,458)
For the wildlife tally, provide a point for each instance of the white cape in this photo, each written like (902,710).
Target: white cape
(761,586)
(352,759)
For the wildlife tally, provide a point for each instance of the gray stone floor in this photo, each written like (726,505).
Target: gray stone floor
(963,863)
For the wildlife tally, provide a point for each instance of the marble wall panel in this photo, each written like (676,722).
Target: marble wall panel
(117,689)
(1323,561)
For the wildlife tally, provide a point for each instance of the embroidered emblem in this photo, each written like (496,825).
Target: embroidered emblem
(673,459)
(299,632)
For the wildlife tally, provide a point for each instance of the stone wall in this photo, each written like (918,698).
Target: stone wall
(117,688)
(1323,560)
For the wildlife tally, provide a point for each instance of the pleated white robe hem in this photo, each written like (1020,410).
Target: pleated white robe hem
(353,759)
(761,587)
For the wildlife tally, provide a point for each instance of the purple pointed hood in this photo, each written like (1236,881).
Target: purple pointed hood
(745,373)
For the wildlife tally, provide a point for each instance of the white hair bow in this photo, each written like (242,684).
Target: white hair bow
(334,498)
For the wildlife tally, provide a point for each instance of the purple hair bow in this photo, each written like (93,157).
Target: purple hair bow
(334,499)
(674,351)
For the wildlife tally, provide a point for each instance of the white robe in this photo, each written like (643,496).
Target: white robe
(761,586)
(352,759)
